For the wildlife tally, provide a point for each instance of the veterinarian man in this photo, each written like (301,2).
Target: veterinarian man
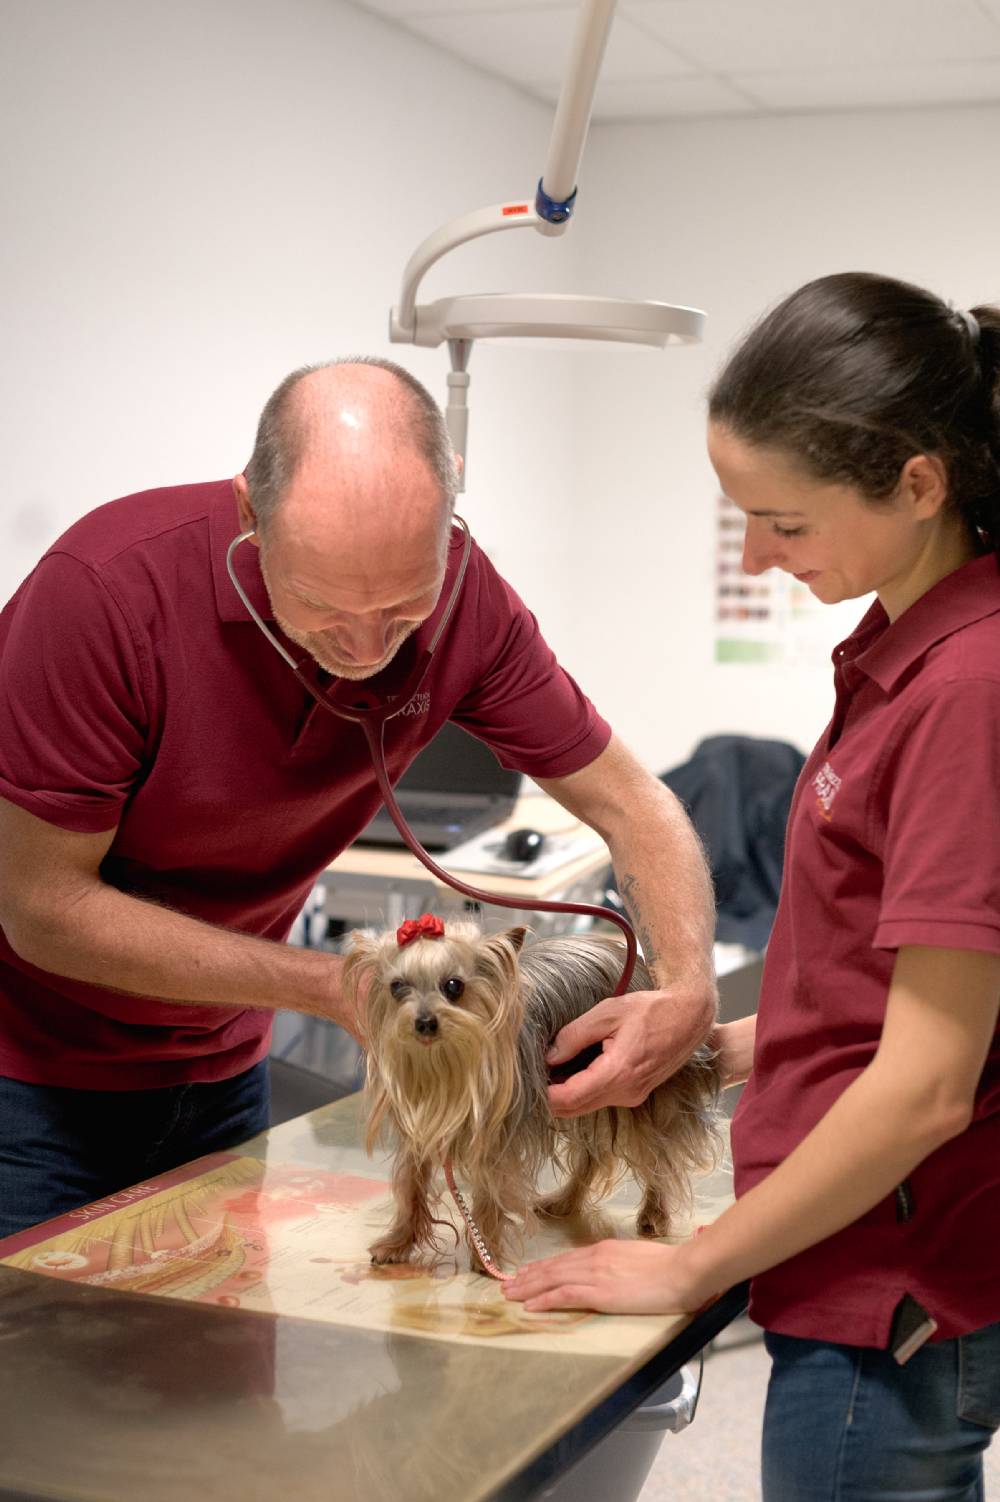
(169,792)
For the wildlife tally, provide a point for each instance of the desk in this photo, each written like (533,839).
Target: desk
(379,887)
(219,1334)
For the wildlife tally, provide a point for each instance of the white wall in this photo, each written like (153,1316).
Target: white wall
(200,195)
(729,216)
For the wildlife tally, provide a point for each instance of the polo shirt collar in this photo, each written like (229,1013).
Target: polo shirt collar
(224,525)
(966,595)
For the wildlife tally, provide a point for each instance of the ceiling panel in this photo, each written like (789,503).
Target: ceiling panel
(879,87)
(665,99)
(670,58)
(531,46)
(726,36)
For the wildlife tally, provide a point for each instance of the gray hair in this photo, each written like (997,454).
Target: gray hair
(281,438)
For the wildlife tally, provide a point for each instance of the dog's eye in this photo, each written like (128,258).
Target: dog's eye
(397,988)
(452,988)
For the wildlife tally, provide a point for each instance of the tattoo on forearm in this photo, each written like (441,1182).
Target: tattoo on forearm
(630,897)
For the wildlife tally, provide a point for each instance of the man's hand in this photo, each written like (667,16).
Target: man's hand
(616,1277)
(644,1037)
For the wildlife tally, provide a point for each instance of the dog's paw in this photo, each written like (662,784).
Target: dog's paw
(383,1253)
(652,1223)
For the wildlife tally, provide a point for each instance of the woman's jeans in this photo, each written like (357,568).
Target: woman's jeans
(63,1148)
(849,1424)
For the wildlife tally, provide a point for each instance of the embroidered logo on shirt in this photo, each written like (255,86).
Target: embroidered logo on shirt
(419,704)
(827,785)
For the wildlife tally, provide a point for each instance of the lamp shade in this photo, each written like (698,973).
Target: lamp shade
(556,315)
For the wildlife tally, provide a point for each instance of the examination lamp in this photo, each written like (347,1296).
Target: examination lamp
(460,321)
(556,315)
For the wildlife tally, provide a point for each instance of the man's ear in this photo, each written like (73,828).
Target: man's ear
(248,521)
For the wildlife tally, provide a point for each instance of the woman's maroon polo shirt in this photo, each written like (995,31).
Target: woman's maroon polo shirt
(893,839)
(135,691)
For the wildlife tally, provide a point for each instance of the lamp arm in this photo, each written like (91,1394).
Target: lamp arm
(514,215)
(557,186)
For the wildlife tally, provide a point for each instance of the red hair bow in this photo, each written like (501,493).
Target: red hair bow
(424,927)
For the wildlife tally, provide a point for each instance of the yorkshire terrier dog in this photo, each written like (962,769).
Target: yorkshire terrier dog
(457,1026)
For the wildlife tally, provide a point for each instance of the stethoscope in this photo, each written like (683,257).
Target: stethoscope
(348,701)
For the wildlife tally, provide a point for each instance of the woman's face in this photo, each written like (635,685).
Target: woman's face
(826,535)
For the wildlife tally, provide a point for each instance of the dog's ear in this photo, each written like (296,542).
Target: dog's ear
(497,955)
(362,939)
(360,965)
(361,951)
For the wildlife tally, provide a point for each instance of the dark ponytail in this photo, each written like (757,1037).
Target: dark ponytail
(854,374)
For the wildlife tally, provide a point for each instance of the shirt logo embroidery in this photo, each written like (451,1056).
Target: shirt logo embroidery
(418,705)
(827,785)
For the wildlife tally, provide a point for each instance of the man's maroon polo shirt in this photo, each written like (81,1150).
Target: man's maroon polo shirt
(893,839)
(134,690)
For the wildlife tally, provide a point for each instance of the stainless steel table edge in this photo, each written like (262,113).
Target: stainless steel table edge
(554,1461)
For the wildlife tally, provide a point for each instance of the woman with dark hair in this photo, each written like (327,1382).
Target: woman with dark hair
(858,429)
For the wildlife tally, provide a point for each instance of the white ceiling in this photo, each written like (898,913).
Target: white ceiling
(670,59)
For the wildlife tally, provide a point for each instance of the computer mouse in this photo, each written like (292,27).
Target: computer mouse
(523,845)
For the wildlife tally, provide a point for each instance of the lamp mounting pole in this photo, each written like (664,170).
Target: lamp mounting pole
(549,213)
(456,414)
(556,193)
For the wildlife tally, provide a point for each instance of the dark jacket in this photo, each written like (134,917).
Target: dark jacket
(738,790)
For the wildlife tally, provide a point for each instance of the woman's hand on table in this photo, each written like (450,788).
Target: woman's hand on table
(614,1277)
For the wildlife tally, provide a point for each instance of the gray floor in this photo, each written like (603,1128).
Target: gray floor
(716,1458)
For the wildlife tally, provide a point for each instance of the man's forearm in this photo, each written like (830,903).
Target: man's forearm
(665,885)
(658,859)
(109,938)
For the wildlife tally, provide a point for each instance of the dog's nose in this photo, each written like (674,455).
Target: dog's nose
(426,1025)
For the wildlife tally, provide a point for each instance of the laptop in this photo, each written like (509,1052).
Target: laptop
(454,789)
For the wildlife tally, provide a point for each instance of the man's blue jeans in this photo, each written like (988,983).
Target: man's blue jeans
(849,1424)
(63,1148)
